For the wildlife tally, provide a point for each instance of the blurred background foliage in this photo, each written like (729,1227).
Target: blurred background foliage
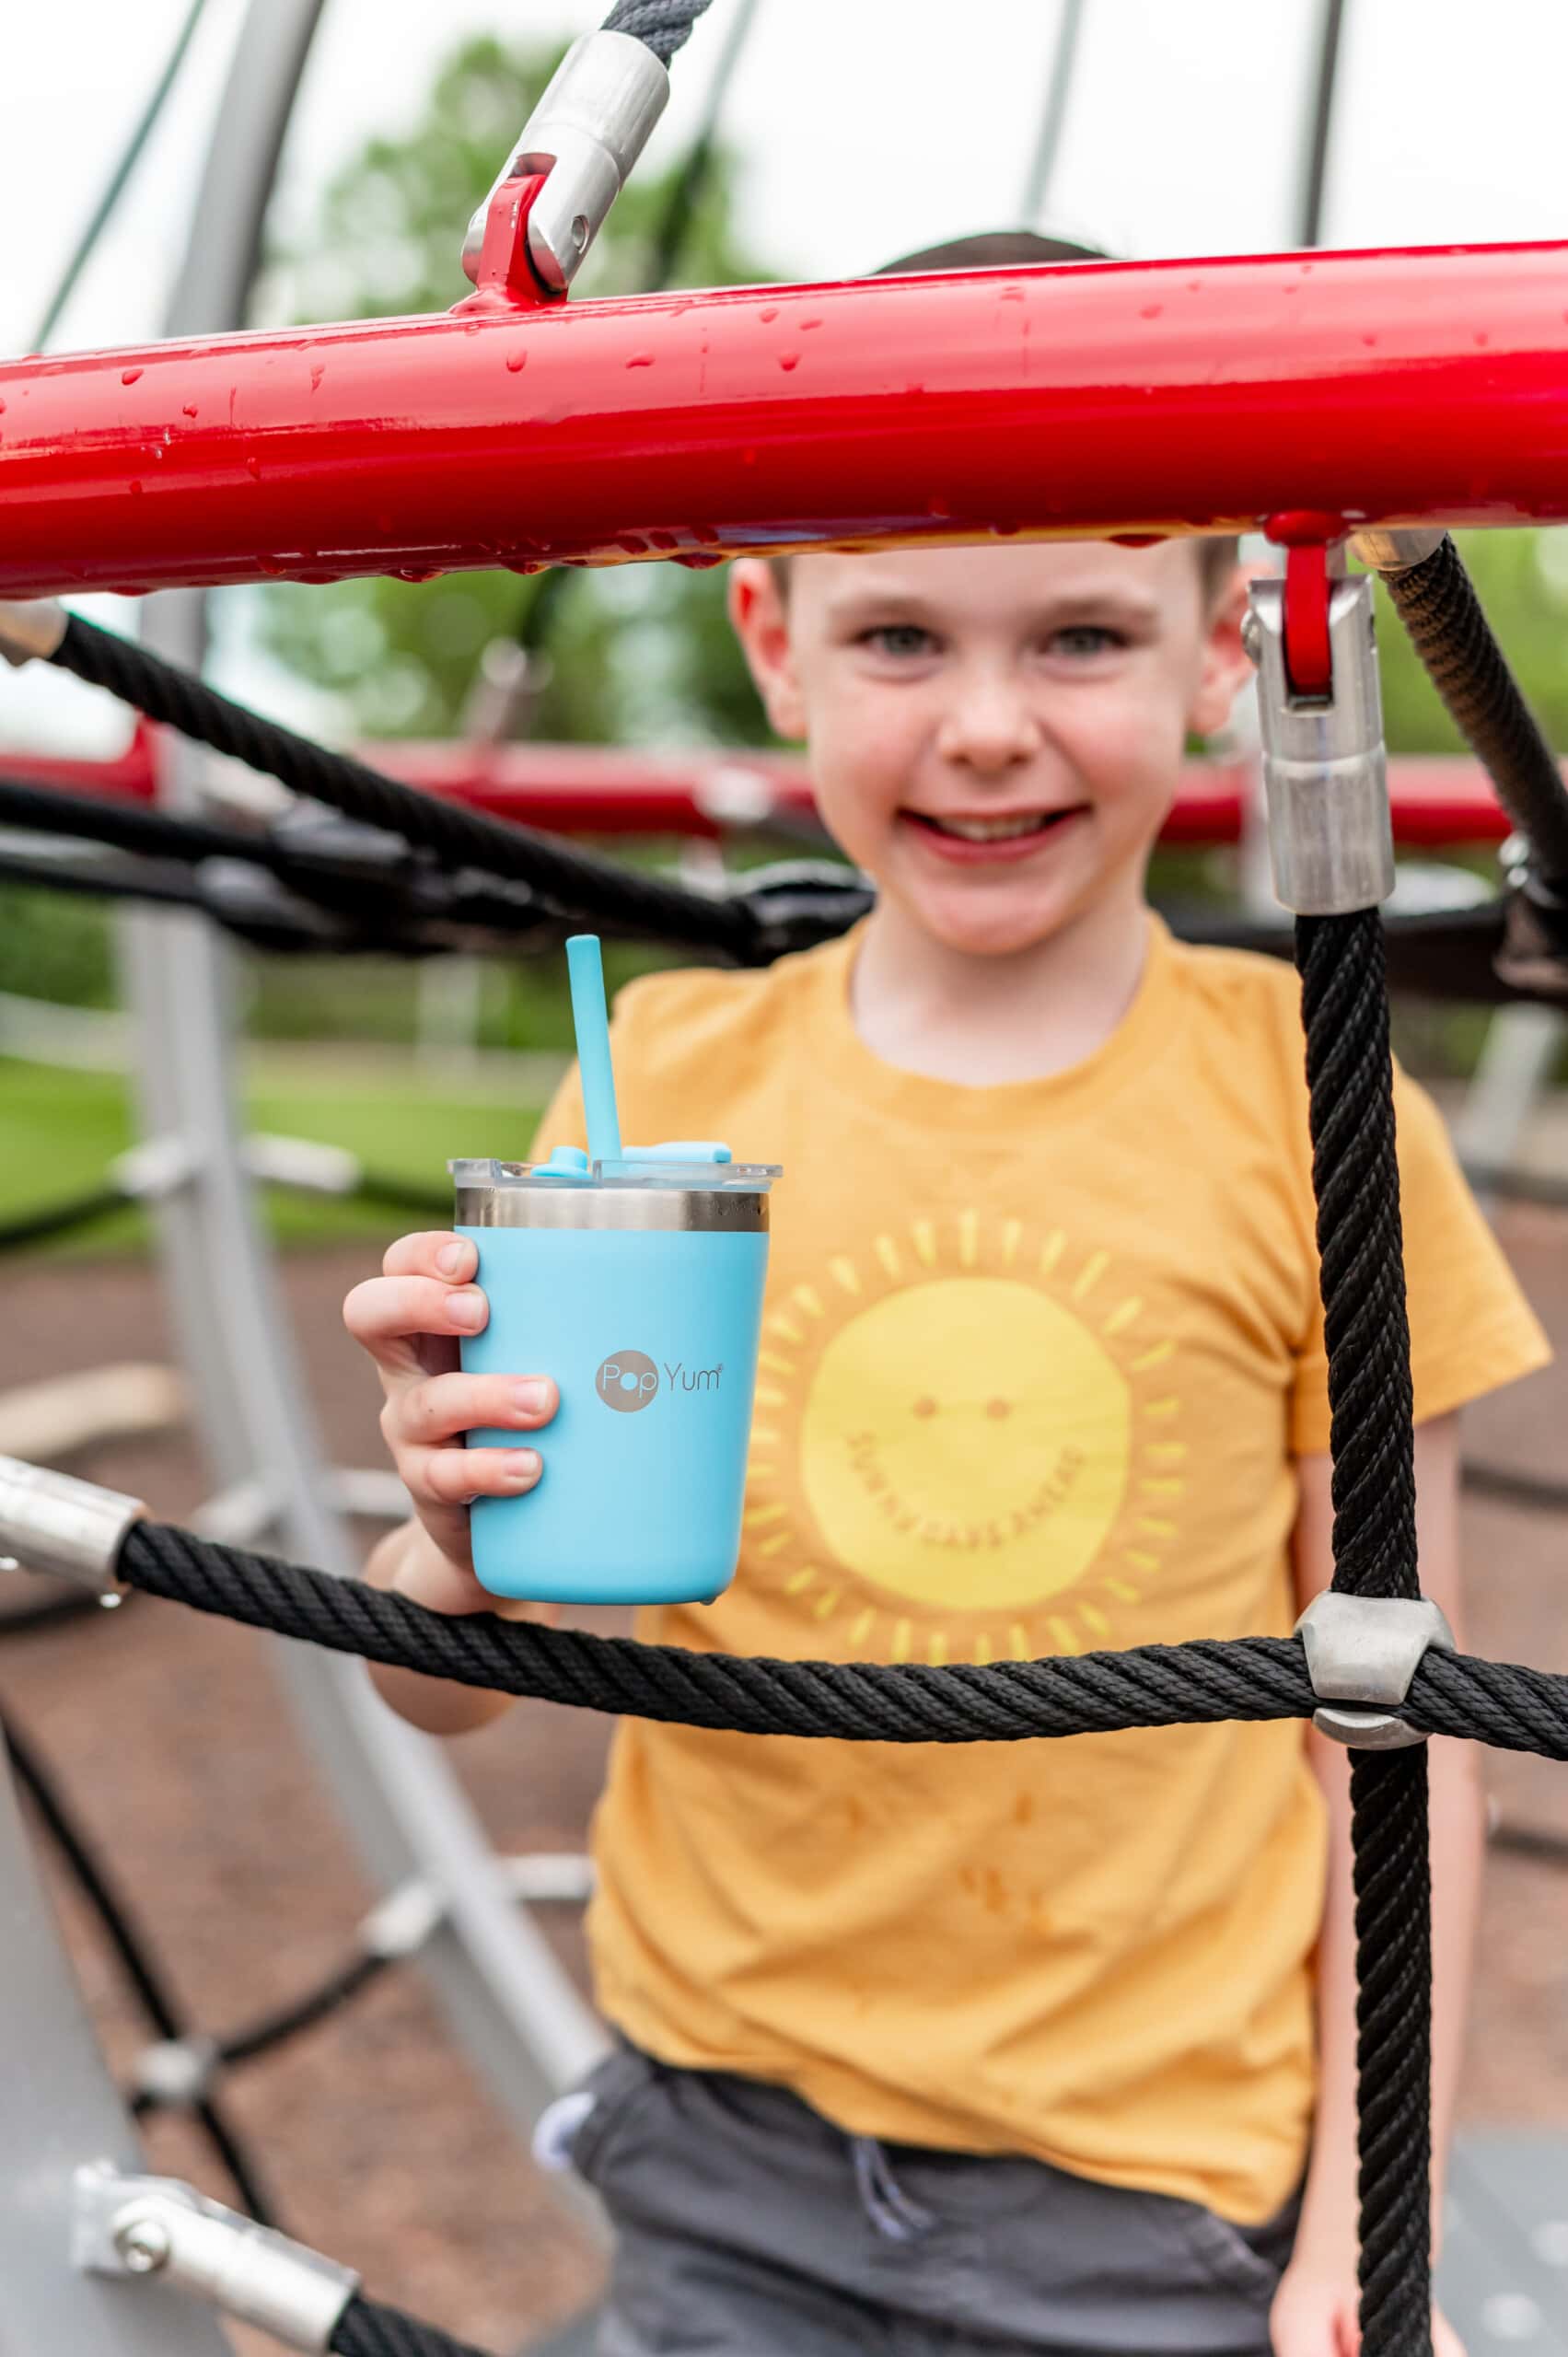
(637,654)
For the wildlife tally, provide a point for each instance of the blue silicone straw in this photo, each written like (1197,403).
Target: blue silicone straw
(585,968)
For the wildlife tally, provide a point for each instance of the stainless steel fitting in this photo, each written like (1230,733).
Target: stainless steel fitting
(1395,548)
(156,2226)
(1325,775)
(31,628)
(1367,1649)
(587,131)
(74,1530)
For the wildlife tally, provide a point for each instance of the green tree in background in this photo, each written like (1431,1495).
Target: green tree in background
(637,653)
(1522,578)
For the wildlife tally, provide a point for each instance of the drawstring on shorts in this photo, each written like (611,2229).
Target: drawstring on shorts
(891,2210)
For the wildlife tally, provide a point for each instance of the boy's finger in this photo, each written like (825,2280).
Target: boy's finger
(434,1253)
(445,1405)
(452,1477)
(387,1313)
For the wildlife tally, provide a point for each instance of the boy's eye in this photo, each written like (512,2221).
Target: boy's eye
(1086,638)
(899,639)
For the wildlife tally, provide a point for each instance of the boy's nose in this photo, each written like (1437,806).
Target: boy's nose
(990,729)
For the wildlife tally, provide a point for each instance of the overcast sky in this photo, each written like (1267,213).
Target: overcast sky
(867,127)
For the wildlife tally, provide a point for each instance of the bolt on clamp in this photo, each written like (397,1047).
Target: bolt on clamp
(31,628)
(72,1530)
(1367,1649)
(1325,774)
(587,131)
(156,2226)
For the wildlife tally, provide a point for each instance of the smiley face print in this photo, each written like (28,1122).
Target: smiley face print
(975,1432)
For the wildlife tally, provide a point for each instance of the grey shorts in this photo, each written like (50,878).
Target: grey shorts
(747,2226)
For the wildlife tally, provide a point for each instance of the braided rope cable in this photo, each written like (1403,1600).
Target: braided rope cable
(574,883)
(29,1228)
(1437,603)
(663,26)
(1512,1707)
(368,2328)
(1355,1177)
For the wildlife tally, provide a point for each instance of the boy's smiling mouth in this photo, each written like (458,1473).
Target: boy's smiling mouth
(1002,835)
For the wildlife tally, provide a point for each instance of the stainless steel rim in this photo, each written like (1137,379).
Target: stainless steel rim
(693,1211)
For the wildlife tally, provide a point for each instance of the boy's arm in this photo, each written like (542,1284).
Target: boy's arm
(1328,2233)
(408,1562)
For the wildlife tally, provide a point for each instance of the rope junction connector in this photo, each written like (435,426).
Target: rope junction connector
(72,1530)
(156,2226)
(1325,774)
(30,629)
(1367,1649)
(1397,548)
(587,131)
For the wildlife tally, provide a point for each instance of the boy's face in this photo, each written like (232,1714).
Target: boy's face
(996,734)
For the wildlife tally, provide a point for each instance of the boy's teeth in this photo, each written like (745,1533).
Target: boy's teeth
(991,830)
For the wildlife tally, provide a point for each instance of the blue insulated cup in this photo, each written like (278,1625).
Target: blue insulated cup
(637,1283)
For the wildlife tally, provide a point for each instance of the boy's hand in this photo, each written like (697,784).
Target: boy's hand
(409,1319)
(1317,2311)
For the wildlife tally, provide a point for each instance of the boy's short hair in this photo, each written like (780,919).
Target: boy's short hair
(1011,249)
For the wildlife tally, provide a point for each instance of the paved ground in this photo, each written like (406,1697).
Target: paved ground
(170,1734)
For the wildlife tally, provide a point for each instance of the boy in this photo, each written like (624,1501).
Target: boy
(1010,2048)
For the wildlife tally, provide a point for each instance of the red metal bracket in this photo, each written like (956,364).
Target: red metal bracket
(507,279)
(1308,662)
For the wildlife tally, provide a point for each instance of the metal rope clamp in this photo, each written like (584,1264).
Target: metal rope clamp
(30,629)
(158,2227)
(72,1530)
(1325,774)
(1367,1649)
(590,125)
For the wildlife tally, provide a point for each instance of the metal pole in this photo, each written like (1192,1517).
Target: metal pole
(58,2110)
(1315,175)
(507,1998)
(705,426)
(1053,122)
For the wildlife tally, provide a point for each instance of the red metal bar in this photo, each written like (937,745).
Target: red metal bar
(1427,384)
(589,790)
(129,776)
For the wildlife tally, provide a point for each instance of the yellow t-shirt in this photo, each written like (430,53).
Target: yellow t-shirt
(1036,1359)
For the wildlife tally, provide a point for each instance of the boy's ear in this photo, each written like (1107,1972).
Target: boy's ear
(1224,664)
(761,621)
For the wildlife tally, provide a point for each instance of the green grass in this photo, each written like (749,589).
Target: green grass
(60,1129)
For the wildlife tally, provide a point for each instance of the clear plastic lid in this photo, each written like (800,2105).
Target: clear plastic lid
(684,1162)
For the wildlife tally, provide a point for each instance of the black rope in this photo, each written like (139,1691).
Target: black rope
(1438,606)
(271,2029)
(1527,1489)
(156,2000)
(154,885)
(1208,1679)
(60,1219)
(663,26)
(1356,1177)
(130,826)
(572,882)
(1538,1841)
(367,2329)
(1542,1187)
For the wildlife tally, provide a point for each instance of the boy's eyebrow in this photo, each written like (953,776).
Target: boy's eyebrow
(1109,601)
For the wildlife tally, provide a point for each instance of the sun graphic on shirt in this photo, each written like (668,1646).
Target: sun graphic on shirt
(971,1423)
